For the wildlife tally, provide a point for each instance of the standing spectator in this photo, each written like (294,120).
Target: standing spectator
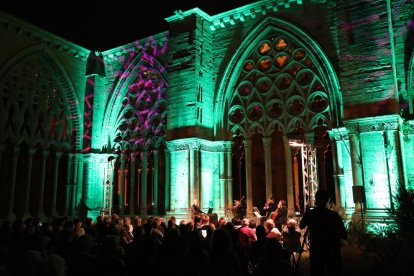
(326,229)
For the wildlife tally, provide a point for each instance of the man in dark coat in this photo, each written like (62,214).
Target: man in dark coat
(326,229)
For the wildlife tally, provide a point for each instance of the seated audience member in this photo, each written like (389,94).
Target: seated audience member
(291,237)
(271,230)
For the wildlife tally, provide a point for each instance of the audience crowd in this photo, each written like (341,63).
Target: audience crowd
(114,245)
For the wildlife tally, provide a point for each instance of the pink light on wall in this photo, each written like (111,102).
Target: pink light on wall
(144,111)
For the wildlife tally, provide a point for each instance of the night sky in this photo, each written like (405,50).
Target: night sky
(103,25)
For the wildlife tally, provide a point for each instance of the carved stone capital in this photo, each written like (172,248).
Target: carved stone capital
(371,124)
(408,128)
(247,143)
(338,134)
(195,145)
(176,146)
(267,142)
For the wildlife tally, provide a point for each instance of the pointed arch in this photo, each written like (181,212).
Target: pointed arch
(295,124)
(272,25)
(73,120)
(114,105)
(275,125)
(314,122)
(255,128)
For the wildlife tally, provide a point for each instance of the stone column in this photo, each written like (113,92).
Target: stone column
(356,162)
(249,182)
(139,185)
(339,138)
(155,184)
(144,182)
(122,185)
(167,180)
(289,176)
(229,175)
(394,161)
(194,180)
(26,202)
(404,157)
(11,215)
(338,173)
(267,144)
(69,187)
(41,212)
(221,200)
(77,186)
(132,203)
(58,155)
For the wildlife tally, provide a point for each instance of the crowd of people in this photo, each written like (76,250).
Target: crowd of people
(119,246)
(114,245)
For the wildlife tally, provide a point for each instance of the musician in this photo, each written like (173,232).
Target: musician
(269,207)
(280,215)
(195,208)
(238,209)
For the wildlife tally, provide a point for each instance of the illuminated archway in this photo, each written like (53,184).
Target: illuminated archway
(279,86)
(139,121)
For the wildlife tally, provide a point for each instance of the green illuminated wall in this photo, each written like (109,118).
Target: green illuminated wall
(181,93)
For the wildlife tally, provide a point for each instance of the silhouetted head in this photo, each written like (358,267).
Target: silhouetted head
(321,198)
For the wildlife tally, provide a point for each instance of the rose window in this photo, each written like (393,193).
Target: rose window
(278,81)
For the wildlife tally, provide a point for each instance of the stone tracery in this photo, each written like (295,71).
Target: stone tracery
(278,81)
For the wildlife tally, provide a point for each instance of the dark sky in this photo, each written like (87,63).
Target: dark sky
(104,24)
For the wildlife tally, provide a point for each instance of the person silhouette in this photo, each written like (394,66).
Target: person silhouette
(195,208)
(83,210)
(326,229)
(269,207)
(280,215)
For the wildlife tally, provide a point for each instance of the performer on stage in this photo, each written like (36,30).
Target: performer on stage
(195,209)
(239,209)
(280,215)
(269,207)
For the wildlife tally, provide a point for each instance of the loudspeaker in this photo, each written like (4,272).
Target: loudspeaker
(359,194)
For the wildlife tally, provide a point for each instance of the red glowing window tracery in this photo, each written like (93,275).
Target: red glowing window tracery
(284,76)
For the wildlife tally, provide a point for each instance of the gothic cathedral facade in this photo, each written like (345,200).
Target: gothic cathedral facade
(275,98)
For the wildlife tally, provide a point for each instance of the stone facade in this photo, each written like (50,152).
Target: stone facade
(278,97)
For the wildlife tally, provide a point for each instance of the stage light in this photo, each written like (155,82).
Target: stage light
(296,143)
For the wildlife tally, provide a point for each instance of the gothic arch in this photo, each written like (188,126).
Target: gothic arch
(136,121)
(323,68)
(279,86)
(134,76)
(42,71)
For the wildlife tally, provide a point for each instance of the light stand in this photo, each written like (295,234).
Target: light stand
(107,188)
